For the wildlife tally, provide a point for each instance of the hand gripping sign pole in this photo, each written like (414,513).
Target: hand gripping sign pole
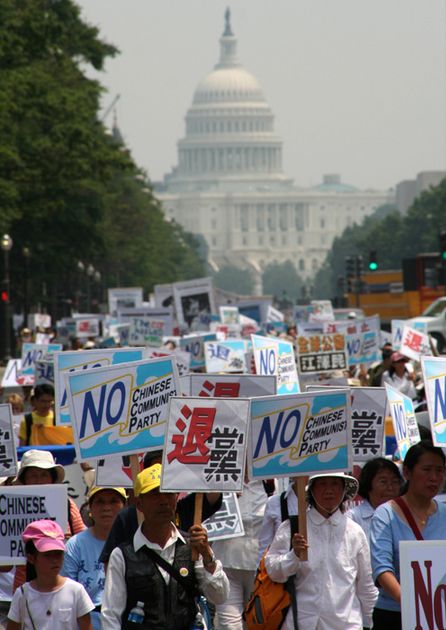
(302,512)
(198,513)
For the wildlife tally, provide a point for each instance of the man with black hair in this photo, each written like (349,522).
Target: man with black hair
(126,522)
(376,372)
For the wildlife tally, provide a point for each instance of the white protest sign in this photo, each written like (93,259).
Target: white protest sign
(8,452)
(124,297)
(229,315)
(44,372)
(116,472)
(195,345)
(227,522)
(225,356)
(65,362)
(300,435)
(322,310)
(363,348)
(434,375)
(194,302)
(12,376)
(368,412)
(414,344)
(32,352)
(275,357)
(225,386)
(205,445)
(121,409)
(163,295)
(145,330)
(19,506)
(274,315)
(398,327)
(87,327)
(321,353)
(403,419)
(182,358)
(38,320)
(144,313)
(423,584)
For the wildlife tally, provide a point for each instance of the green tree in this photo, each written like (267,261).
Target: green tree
(282,280)
(234,279)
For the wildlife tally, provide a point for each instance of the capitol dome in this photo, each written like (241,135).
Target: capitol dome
(230,139)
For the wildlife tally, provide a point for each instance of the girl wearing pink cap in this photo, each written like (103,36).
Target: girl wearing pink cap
(50,601)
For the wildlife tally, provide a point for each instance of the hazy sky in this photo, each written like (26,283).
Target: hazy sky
(357,87)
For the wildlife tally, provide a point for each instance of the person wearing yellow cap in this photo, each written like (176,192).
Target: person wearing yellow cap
(155,571)
(81,562)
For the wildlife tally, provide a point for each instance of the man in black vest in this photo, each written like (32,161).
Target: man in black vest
(156,567)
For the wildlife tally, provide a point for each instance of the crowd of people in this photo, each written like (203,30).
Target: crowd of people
(97,572)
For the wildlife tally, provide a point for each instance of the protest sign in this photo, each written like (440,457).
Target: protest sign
(275,357)
(146,331)
(165,315)
(19,506)
(121,409)
(182,358)
(65,362)
(194,302)
(398,327)
(321,311)
(423,584)
(368,412)
(163,295)
(87,327)
(353,326)
(32,352)
(305,329)
(12,376)
(44,372)
(227,522)
(414,344)
(116,472)
(124,297)
(363,347)
(434,375)
(205,445)
(8,453)
(256,309)
(225,386)
(225,356)
(274,315)
(75,483)
(38,320)
(229,315)
(403,419)
(300,435)
(321,353)
(226,331)
(195,345)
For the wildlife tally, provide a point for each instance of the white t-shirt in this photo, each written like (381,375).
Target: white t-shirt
(57,610)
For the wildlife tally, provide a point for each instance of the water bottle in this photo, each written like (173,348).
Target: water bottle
(198,623)
(136,615)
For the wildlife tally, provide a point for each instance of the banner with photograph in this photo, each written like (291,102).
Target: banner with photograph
(194,302)
(205,445)
(124,297)
(121,409)
(300,435)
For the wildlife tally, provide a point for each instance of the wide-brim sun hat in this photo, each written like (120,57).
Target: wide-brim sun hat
(40,459)
(351,484)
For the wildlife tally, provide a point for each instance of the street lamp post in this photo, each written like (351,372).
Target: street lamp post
(5,328)
(90,274)
(26,256)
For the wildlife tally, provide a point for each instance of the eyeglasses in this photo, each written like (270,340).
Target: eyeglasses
(388,483)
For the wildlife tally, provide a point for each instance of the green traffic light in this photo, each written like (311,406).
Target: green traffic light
(373,266)
(443,255)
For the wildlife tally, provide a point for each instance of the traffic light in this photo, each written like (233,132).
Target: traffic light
(4,297)
(359,266)
(349,267)
(442,244)
(373,260)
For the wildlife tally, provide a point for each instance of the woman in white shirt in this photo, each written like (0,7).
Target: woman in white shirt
(334,587)
(399,377)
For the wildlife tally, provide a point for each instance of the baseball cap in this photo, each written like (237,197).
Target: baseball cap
(95,489)
(397,356)
(46,535)
(148,479)
(40,459)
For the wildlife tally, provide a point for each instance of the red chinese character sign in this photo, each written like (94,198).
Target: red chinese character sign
(226,386)
(415,344)
(205,444)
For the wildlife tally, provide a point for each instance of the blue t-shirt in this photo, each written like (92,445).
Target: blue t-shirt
(386,532)
(81,563)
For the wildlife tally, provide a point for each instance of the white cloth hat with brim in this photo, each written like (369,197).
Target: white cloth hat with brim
(40,459)
(351,484)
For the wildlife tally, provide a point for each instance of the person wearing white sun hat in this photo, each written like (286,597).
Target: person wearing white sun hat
(334,587)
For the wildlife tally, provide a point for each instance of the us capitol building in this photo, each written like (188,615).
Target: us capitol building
(229,185)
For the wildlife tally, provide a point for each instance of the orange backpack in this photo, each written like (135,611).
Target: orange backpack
(269,602)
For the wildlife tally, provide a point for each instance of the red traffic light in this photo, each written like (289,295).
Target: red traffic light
(4,297)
